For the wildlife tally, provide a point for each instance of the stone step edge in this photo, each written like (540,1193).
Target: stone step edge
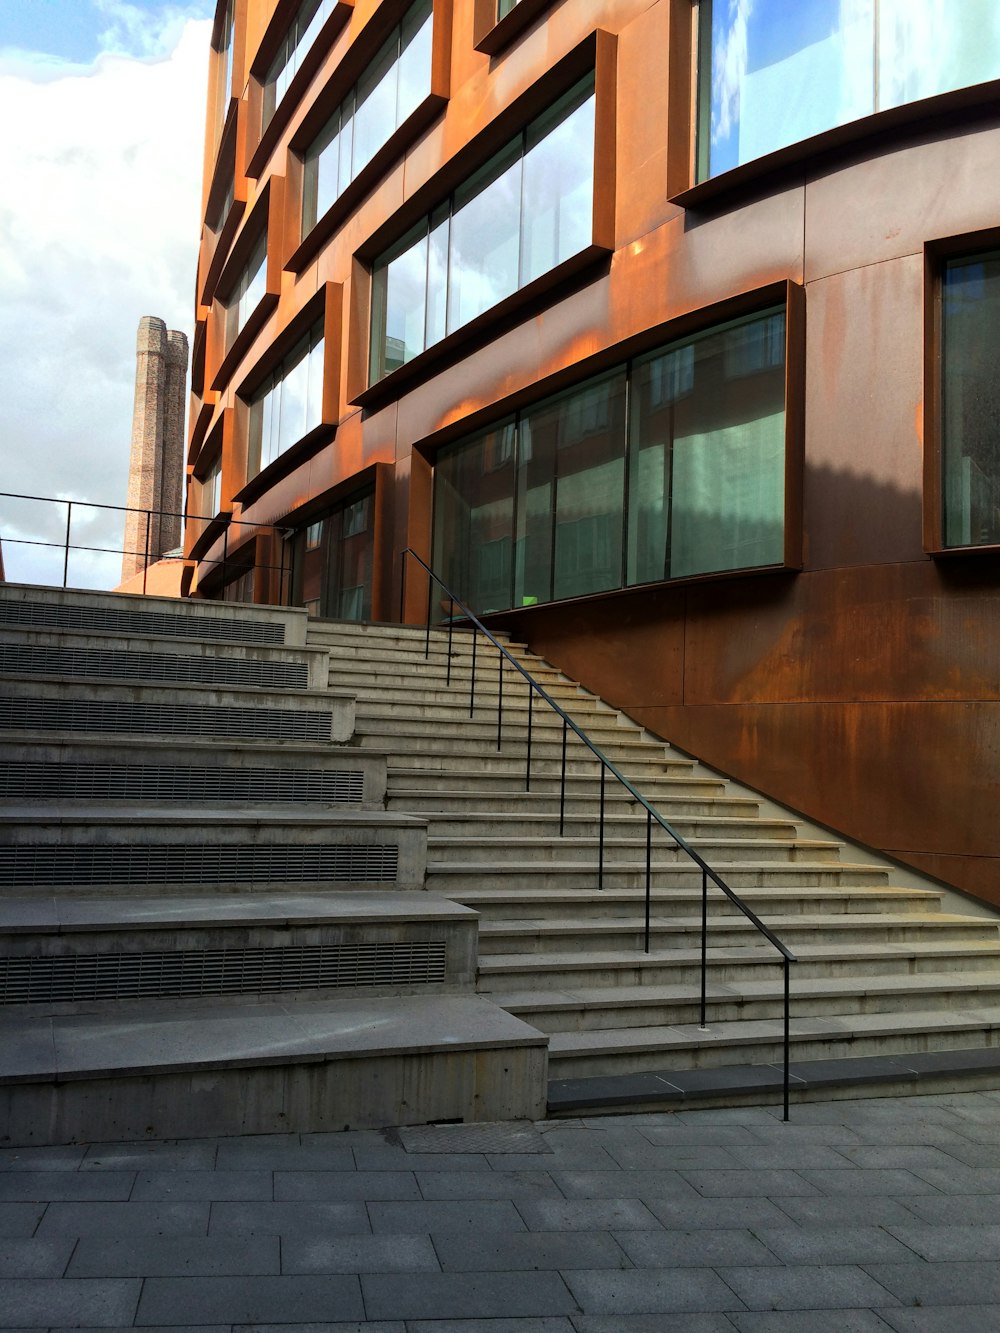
(253,1035)
(674,1088)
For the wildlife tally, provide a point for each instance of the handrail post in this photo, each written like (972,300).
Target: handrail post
(225,557)
(402,587)
(785,1116)
(427,628)
(145,563)
(527,763)
(649,858)
(600,836)
(562,784)
(451,626)
(499,698)
(704,945)
(69,520)
(472,678)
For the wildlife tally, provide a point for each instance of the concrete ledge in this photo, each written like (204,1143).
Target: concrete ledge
(271,1068)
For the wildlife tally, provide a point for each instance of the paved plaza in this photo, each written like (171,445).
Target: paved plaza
(857,1216)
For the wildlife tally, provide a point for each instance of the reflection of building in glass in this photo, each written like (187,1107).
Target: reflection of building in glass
(666,331)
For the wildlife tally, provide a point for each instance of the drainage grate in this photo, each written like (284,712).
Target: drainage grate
(498,1138)
(192,626)
(177,782)
(285,724)
(181,863)
(133,976)
(121,664)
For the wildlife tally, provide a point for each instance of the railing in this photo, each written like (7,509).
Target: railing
(225,564)
(606,767)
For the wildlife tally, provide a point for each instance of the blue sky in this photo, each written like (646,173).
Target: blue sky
(103,108)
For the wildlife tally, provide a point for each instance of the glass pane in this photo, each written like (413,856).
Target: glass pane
(780,73)
(414,79)
(294,388)
(375,115)
(315,366)
(926,47)
(406,288)
(971,401)
(437,280)
(707,471)
(533,538)
(558,193)
(321,175)
(484,240)
(474,519)
(346,169)
(348,592)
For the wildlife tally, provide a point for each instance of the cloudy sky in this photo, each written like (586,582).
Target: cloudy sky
(102,104)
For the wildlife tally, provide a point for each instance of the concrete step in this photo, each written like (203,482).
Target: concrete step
(627,847)
(545,937)
(759,1042)
(592,1009)
(63,954)
(622,823)
(108,846)
(437,705)
(450,877)
(266,1067)
(612,969)
(506,783)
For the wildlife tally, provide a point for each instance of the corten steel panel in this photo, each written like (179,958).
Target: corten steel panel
(864,458)
(978,875)
(876,633)
(642,125)
(910,778)
(890,203)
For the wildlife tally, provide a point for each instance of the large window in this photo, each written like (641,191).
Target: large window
(970,400)
(391,88)
(302,32)
(525,211)
(224,69)
(333,559)
(289,404)
(772,73)
(670,466)
(248,292)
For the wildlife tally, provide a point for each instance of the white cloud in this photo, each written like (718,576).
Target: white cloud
(99,226)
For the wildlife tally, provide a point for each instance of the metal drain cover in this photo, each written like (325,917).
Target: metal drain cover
(513,1137)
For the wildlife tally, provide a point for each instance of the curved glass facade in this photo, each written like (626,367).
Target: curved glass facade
(773,73)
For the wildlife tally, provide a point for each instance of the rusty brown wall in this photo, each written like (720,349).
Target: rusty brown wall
(862,690)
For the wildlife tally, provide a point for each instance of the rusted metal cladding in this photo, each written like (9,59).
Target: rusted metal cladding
(859,682)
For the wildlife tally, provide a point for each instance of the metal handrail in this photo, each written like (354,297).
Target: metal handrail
(707,872)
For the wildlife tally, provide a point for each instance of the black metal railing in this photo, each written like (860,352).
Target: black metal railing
(606,768)
(222,566)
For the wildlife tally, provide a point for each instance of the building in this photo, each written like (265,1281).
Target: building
(665,331)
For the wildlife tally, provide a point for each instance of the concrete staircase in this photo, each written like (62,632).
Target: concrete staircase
(208,919)
(897,979)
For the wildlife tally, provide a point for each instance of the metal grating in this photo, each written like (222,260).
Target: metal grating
(36,866)
(489,1137)
(123,664)
(135,976)
(61,616)
(285,724)
(177,782)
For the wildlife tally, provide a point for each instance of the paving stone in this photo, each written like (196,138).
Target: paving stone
(175,1256)
(388,1157)
(445,1215)
(334,1219)
(248,1299)
(719,1214)
(958,1179)
(832,1210)
(825,1133)
(30,1186)
(32,1257)
(358,1254)
(550,1324)
(808,1287)
(759,1184)
(675,1158)
(947,1243)
(834,1245)
(364,1326)
(887,1184)
(653,1323)
(693,1249)
(234,1155)
(334,1186)
(910,1158)
(790,1157)
(465,1296)
(20,1219)
(975,1283)
(944,1319)
(624,1185)
(42,1159)
(975,1154)
(203,1185)
(643,1292)
(528,1250)
(586,1215)
(43,1302)
(685,1134)
(814,1321)
(487,1185)
(125,1219)
(186,1155)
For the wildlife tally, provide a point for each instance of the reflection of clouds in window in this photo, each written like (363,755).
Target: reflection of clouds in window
(924,51)
(729,64)
(484,248)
